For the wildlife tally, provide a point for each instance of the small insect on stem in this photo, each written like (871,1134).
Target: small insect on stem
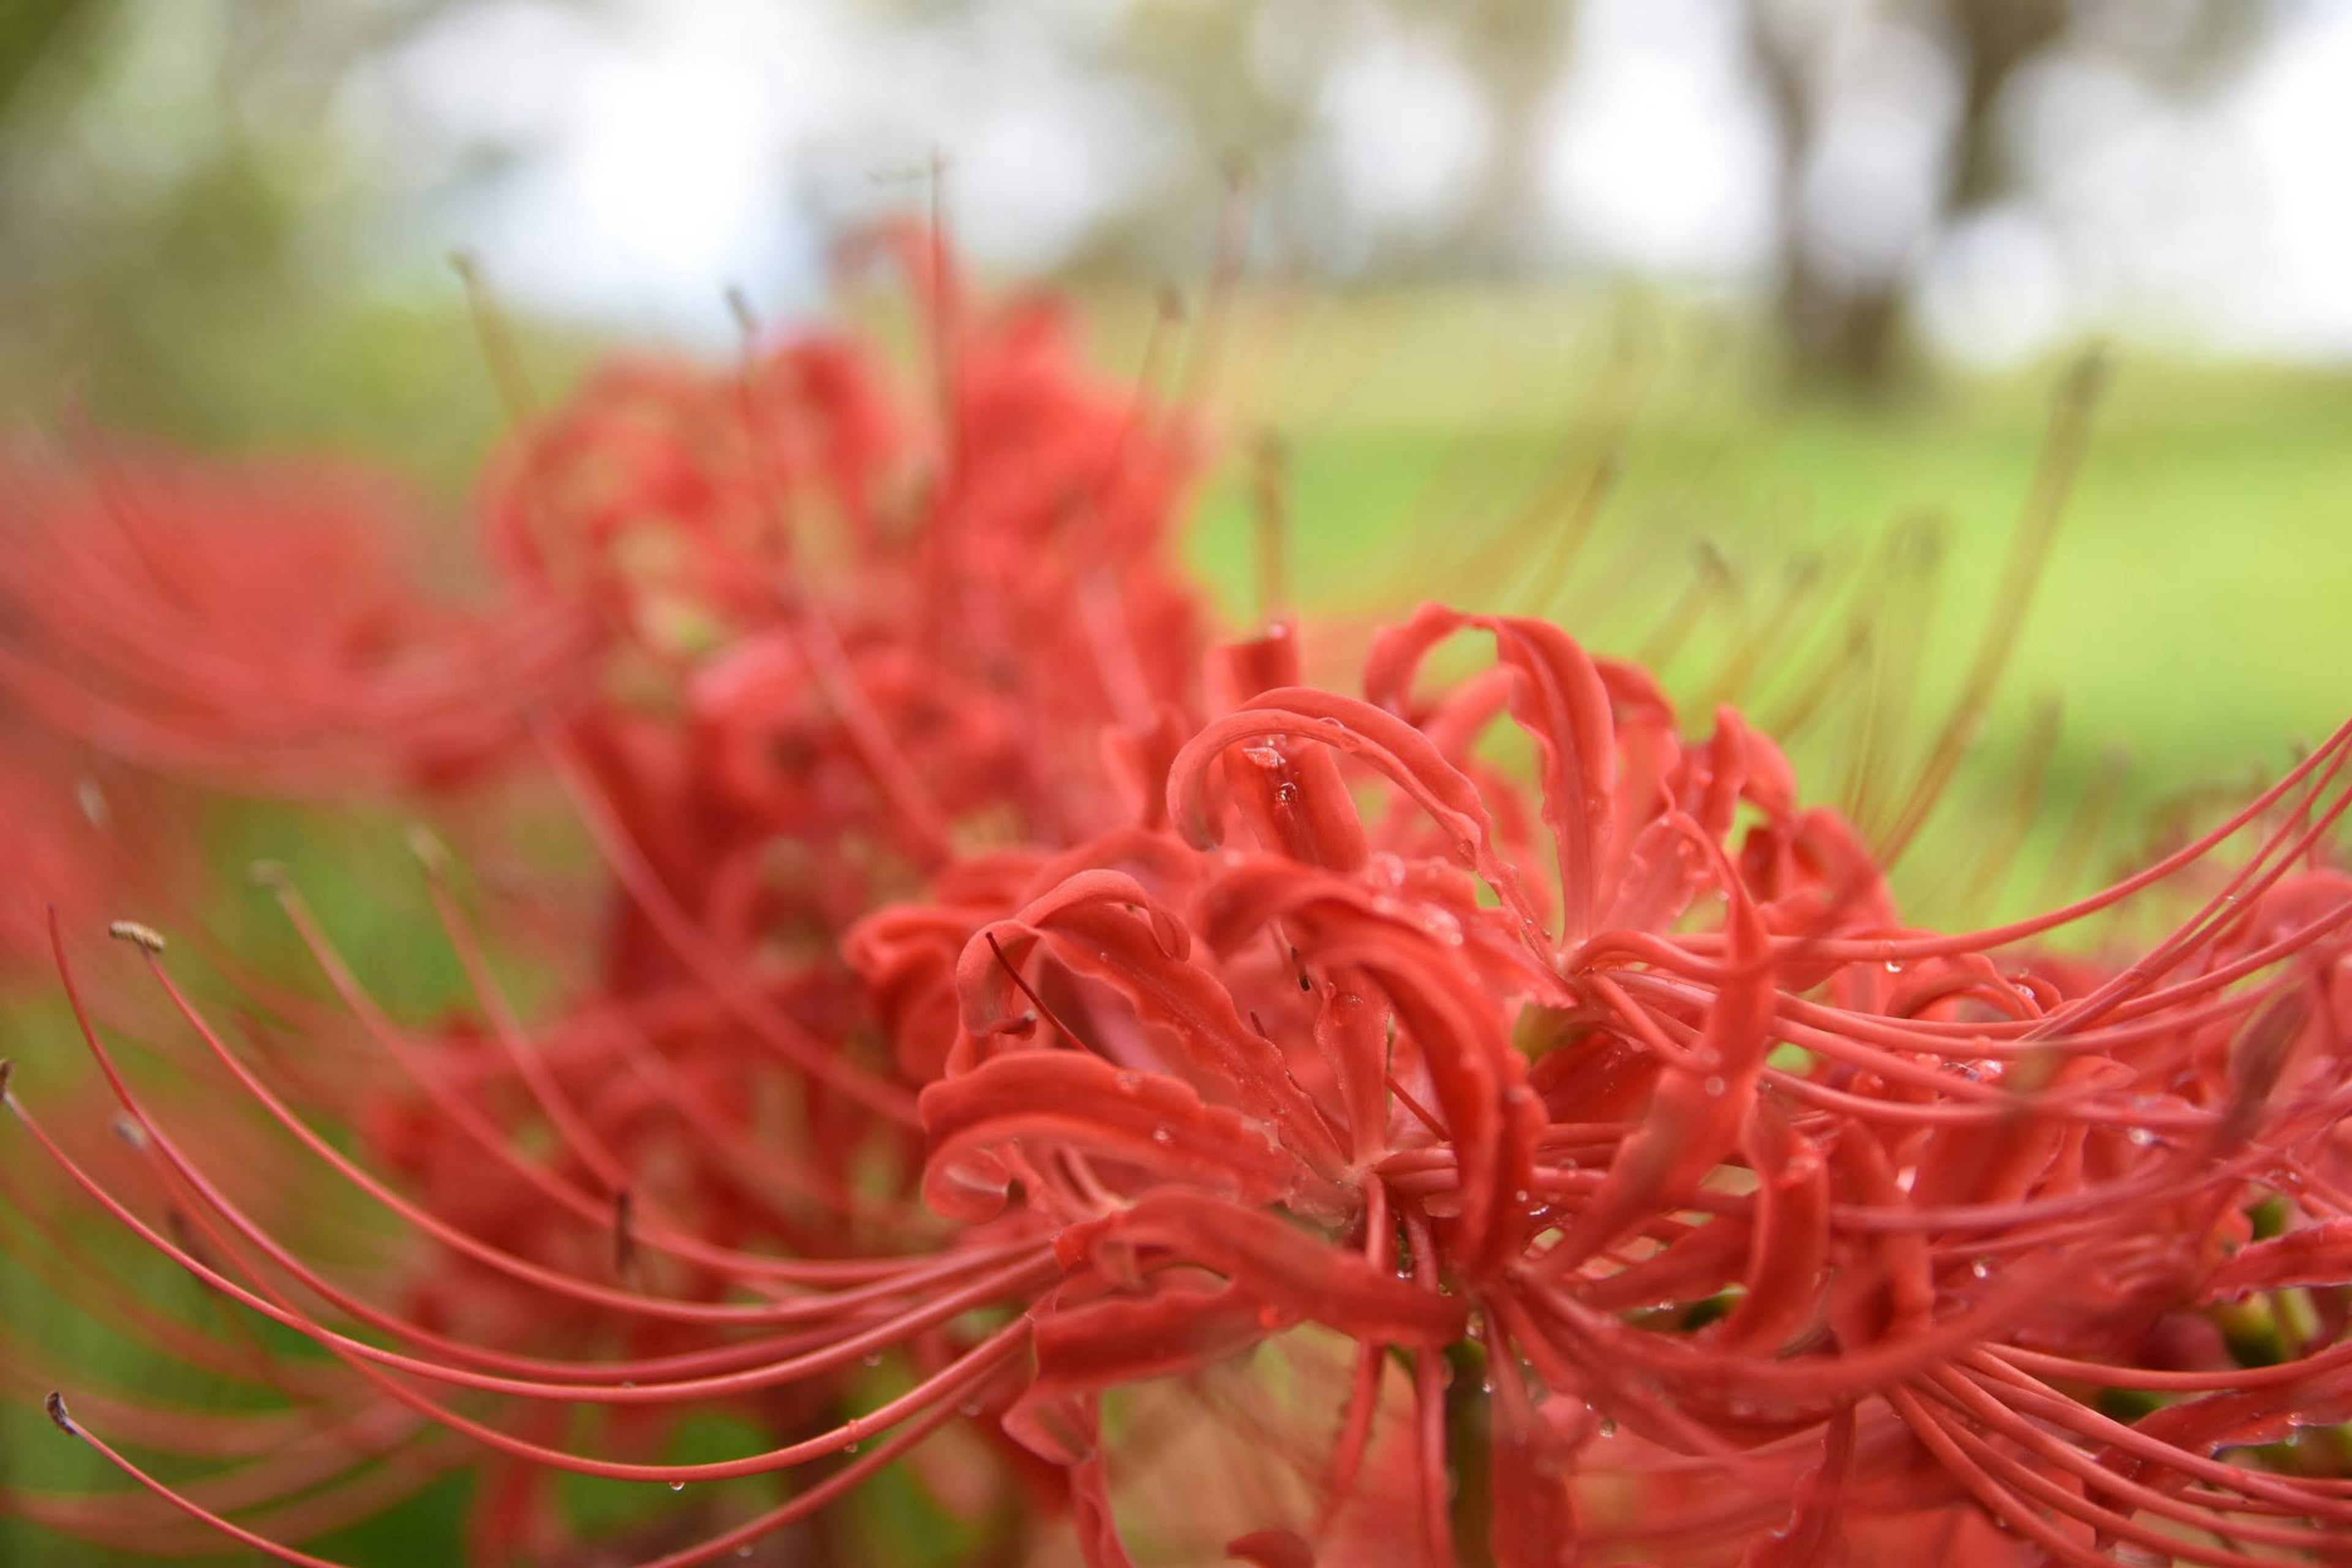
(137,936)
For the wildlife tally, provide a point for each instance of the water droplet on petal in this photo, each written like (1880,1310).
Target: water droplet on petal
(873,1358)
(1161,1135)
(849,1448)
(1715,1087)
(678,1485)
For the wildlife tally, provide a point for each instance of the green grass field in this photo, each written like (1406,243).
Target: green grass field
(2188,623)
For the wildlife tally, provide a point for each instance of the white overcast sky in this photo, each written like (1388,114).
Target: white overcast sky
(666,150)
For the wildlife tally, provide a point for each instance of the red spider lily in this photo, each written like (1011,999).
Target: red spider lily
(1004,1038)
(1748,1237)
(1874,1234)
(829,648)
(849,631)
(910,637)
(254,628)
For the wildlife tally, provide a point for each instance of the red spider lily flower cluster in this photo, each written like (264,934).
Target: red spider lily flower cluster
(255,627)
(1136,1086)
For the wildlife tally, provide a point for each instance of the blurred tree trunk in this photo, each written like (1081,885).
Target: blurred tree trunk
(1514,50)
(1992,38)
(1841,332)
(1844,328)
(1836,328)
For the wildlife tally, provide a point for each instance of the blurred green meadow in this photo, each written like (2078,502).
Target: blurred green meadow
(2183,633)
(2189,623)
(1435,442)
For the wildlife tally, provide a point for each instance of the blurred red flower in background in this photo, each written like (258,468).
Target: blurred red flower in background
(256,628)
